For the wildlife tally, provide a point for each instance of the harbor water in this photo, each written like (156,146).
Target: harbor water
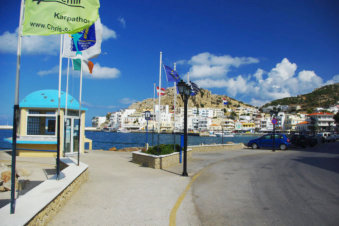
(107,140)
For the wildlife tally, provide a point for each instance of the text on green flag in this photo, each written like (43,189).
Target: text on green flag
(48,17)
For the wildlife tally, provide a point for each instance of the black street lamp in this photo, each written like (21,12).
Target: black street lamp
(185,92)
(274,113)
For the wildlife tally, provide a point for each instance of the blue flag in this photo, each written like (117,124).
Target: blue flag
(172,76)
(84,39)
(195,89)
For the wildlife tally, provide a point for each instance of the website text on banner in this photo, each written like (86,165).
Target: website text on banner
(49,17)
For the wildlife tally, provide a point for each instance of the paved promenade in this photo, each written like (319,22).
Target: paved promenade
(119,192)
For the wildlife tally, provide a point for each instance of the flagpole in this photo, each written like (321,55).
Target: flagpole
(159,91)
(188,77)
(154,100)
(67,89)
(66,101)
(59,103)
(16,110)
(174,103)
(80,96)
(159,98)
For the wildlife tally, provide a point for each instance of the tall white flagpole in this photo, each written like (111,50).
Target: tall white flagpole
(175,98)
(67,90)
(16,110)
(159,92)
(188,77)
(154,100)
(58,116)
(80,97)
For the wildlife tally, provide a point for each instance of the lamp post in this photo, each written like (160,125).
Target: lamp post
(185,92)
(274,112)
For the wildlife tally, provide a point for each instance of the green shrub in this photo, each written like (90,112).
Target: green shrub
(164,149)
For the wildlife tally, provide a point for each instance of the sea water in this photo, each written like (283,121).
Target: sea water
(107,140)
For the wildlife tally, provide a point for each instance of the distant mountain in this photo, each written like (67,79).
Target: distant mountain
(322,97)
(204,99)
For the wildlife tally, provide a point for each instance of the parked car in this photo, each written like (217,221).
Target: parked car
(326,137)
(266,141)
(331,138)
(301,140)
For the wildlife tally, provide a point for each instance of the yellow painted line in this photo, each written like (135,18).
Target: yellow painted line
(173,215)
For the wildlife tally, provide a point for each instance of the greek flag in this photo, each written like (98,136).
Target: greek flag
(194,89)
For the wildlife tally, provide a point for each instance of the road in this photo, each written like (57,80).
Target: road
(294,187)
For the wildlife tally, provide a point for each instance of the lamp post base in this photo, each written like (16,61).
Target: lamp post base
(184,174)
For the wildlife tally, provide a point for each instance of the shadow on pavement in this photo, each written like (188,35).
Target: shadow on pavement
(168,171)
(327,163)
(4,202)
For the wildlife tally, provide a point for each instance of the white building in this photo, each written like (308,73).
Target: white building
(98,120)
(322,120)
(292,121)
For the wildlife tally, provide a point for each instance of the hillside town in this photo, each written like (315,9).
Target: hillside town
(211,121)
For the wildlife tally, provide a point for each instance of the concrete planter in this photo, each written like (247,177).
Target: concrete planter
(158,161)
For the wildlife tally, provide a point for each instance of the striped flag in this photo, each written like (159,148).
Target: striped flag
(224,101)
(195,89)
(160,92)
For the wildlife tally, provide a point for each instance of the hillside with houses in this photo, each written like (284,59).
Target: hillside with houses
(209,114)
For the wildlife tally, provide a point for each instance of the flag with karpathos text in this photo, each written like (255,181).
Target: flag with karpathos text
(49,17)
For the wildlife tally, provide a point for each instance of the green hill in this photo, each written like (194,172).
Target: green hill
(321,97)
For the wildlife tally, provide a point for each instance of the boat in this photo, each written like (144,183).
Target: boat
(225,134)
(228,134)
(123,130)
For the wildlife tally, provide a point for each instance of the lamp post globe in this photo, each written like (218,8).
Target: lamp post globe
(181,86)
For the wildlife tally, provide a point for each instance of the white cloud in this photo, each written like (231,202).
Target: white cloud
(127,100)
(54,70)
(99,72)
(335,79)
(210,83)
(259,75)
(122,21)
(36,45)
(208,65)
(30,44)
(262,87)
(108,33)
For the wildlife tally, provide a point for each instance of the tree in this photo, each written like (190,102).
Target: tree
(336,118)
(313,125)
(233,115)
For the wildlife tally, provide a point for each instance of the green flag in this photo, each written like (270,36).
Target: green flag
(76,64)
(49,17)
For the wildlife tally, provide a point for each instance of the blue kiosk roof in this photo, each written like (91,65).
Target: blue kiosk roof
(49,99)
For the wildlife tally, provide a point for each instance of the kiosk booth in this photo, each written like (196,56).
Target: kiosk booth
(37,131)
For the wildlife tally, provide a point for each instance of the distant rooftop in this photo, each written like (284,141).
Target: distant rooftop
(320,113)
(49,99)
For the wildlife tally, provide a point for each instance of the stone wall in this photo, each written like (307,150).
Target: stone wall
(157,162)
(216,147)
(46,214)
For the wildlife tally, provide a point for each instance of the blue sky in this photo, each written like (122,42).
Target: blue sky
(254,51)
